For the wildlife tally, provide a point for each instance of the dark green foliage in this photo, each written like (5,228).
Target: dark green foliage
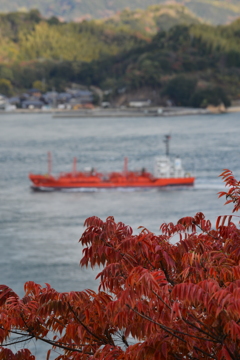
(210,96)
(180,90)
(96,99)
(201,53)
(34,15)
(233,58)
(5,87)
(12,24)
(53,20)
(6,72)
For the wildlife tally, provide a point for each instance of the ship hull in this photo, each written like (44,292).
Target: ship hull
(41,182)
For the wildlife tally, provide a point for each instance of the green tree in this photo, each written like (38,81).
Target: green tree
(210,96)
(179,89)
(5,87)
(53,21)
(35,15)
(6,73)
(40,85)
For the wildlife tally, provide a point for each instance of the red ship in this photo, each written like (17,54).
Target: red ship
(166,173)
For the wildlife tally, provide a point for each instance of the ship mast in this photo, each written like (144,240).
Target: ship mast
(125,167)
(74,171)
(166,141)
(49,163)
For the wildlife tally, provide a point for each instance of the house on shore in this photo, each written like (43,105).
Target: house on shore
(32,104)
(139,103)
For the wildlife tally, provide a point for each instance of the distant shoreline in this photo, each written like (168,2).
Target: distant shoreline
(143,112)
(124,112)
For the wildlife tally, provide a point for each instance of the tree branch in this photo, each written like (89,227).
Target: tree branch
(172,331)
(51,342)
(85,327)
(18,341)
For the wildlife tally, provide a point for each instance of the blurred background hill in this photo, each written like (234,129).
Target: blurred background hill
(29,36)
(213,11)
(155,52)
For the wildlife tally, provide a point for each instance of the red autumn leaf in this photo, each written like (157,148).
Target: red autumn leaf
(156,300)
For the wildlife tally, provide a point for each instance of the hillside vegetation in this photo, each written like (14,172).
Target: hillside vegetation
(28,36)
(153,19)
(196,57)
(213,11)
(131,51)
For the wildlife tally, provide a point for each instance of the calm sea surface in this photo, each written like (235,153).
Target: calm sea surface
(39,232)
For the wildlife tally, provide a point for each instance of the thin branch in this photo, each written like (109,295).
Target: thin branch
(187,321)
(201,330)
(156,323)
(166,274)
(85,327)
(18,341)
(127,256)
(124,340)
(229,351)
(204,231)
(172,331)
(109,337)
(221,340)
(14,332)
(149,262)
(159,297)
(53,343)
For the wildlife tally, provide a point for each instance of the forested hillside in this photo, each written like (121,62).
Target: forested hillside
(213,11)
(183,61)
(26,36)
(29,36)
(122,55)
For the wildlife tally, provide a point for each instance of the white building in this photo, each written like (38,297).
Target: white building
(139,103)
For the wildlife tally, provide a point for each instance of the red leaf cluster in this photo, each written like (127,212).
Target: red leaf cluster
(156,300)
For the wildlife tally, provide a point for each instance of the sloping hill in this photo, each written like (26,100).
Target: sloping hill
(27,36)
(206,56)
(213,11)
(107,54)
(153,19)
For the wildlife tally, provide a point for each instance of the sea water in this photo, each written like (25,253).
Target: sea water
(39,231)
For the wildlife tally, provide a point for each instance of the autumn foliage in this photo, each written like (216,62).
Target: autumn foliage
(157,299)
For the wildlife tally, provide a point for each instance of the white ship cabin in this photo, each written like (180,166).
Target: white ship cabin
(165,168)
